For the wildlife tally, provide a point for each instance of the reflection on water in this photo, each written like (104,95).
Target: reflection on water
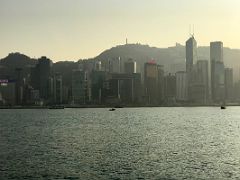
(135,143)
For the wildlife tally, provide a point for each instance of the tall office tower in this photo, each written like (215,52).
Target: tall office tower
(229,84)
(216,51)
(125,88)
(130,66)
(57,89)
(191,53)
(115,65)
(79,87)
(150,82)
(170,89)
(217,71)
(19,86)
(199,91)
(160,84)
(203,77)
(7,91)
(40,76)
(97,86)
(98,66)
(181,86)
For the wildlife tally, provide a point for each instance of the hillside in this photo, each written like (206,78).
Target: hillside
(169,57)
(9,64)
(173,59)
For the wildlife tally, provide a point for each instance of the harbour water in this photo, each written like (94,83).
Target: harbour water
(129,143)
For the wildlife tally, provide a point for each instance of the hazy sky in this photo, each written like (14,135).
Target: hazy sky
(74,29)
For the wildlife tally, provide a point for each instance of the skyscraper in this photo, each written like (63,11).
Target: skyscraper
(217,71)
(191,53)
(216,51)
(130,66)
(229,84)
(181,86)
(40,76)
(57,89)
(79,86)
(115,65)
(160,84)
(150,82)
(199,87)
(203,77)
(170,89)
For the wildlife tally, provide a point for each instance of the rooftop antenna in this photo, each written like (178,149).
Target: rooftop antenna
(193,30)
(190,30)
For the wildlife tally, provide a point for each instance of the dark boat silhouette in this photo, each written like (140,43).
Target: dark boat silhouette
(112,109)
(223,107)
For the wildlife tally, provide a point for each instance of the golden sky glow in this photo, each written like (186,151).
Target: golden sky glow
(74,29)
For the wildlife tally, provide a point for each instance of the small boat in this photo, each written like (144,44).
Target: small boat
(112,109)
(56,107)
(223,107)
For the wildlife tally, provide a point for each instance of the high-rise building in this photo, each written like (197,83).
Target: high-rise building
(191,53)
(57,89)
(19,86)
(79,87)
(229,84)
(191,59)
(98,66)
(150,82)
(181,86)
(97,81)
(198,91)
(125,88)
(203,78)
(40,77)
(160,84)
(130,66)
(216,51)
(7,91)
(217,71)
(170,89)
(116,65)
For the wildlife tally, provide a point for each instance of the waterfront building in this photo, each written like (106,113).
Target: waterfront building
(79,87)
(40,77)
(217,71)
(181,86)
(198,89)
(170,89)
(130,66)
(7,91)
(57,89)
(98,66)
(160,84)
(191,59)
(191,53)
(150,82)
(229,84)
(115,65)
(124,88)
(97,86)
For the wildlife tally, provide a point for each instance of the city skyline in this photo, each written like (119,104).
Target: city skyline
(83,29)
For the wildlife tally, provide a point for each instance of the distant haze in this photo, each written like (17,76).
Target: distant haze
(74,29)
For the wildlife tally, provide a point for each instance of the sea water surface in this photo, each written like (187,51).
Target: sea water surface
(129,143)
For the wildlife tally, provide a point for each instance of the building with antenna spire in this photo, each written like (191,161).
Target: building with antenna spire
(191,59)
(191,53)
